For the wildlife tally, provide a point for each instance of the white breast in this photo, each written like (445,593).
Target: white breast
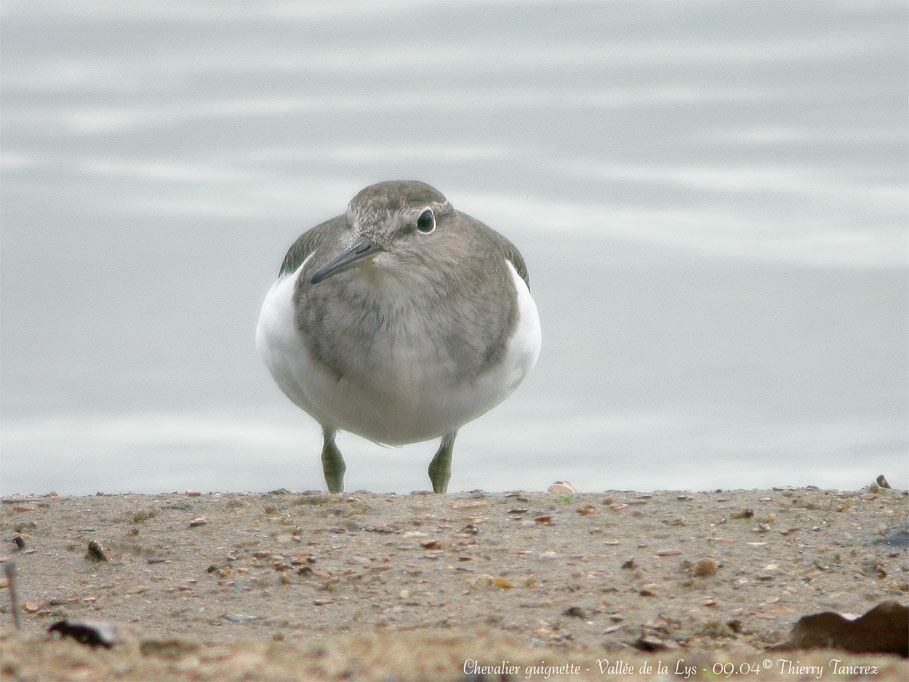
(410,396)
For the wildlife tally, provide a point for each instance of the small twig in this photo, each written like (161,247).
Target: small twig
(9,568)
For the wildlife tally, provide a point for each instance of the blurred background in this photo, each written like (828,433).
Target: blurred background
(711,198)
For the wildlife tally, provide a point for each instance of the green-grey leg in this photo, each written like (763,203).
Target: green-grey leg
(332,463)
(440,466)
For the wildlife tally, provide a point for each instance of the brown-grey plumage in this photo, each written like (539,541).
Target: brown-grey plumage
(401,268)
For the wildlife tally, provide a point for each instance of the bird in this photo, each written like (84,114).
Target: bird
(400,320)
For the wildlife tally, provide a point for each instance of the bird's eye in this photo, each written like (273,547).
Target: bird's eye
(426,223)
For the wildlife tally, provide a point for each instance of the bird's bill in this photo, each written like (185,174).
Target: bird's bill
(361,249)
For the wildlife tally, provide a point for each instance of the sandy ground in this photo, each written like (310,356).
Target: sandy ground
(462,586)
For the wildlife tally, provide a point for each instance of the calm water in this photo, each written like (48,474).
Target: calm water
(711,199)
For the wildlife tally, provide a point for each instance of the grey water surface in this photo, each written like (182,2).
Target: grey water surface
(711,198)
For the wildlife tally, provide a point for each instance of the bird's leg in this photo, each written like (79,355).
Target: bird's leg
(440,466)
(332,463)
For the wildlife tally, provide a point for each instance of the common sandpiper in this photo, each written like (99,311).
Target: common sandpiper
(400,320)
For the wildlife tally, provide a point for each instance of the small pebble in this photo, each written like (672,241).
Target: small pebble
(192,493)
(95,551)
(648,590)
(561,488)
(705,567)
(198,521)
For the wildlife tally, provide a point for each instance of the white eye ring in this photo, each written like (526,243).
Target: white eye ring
(426,223)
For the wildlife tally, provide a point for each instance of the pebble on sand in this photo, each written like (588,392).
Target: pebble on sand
(705,567)
(95,551)
(561,488)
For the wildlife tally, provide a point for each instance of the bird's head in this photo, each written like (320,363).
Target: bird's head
(398,218)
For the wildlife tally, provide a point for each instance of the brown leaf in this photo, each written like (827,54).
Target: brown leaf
(884,629)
